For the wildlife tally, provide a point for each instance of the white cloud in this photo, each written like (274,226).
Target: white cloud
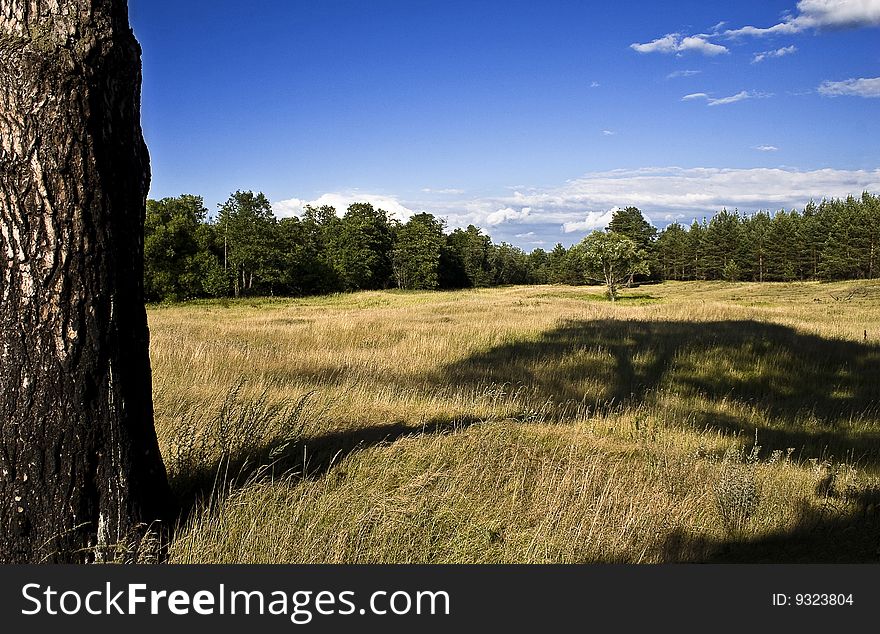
(608,133)
(675,43)
(818,15)
(779,52)
(702,189)
(809,15)
(341,201)
(666,44)
(594,220)
(662,193)
(595,84)
(702,45)
(530,234)
(288,208)
(657,191)
(428,190)
(863,87)
(507,214)
(740,96)
(683,73)
(765,148)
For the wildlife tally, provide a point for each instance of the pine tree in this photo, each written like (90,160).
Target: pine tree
(721,246)
(754,237)
(672,252)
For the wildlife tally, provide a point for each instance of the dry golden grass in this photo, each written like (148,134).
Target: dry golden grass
(528,424)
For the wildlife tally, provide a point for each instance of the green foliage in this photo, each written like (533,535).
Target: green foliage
(672,252)
(509,264)
(756,245)
(834,240)
(564,266)
(731,271)
(175,260)
(416,256)
(784,247)
(247,225)
(538,267)
(470,249)
(722,242)
(361,248)
(610,258)
(853,238)
(247,251)
(631,223)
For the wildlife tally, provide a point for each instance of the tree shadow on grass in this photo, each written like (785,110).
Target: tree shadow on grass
(306,458)
(822,396)
(824,534)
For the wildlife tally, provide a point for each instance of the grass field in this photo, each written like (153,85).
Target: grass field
(688,422)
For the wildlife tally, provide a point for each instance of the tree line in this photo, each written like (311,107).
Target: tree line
(246,250)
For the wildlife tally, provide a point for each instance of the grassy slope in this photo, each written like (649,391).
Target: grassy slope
(530,424)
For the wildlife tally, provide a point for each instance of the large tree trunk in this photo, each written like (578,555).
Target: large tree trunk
(80,470)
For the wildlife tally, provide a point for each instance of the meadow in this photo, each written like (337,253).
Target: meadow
(690,421)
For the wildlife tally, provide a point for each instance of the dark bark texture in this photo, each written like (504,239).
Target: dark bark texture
(80,470)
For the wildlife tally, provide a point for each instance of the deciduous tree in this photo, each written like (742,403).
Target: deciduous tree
(610,258)
(417,249)
(247,222)
(80,470)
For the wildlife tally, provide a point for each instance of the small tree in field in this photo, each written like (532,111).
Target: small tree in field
(611,259)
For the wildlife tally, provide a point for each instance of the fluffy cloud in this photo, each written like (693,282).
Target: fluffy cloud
(765,148)
(676,43)
(594,220)
(666,44)
(341,201)
(508,214)
(779,52)
(809,15)
(662,193)
(700,44)
(820,14)
(658,192)
(289,207)
(864,87)
(705,189)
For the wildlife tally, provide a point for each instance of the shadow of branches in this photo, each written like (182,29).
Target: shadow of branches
(831,533)
(299,456)
(822,395)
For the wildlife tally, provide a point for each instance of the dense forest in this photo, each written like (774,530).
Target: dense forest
(246,250)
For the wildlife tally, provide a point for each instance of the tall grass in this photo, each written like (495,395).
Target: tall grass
(530,424)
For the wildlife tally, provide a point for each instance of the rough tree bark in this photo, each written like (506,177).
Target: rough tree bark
(80,470)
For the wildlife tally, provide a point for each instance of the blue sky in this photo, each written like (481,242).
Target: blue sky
(533,120)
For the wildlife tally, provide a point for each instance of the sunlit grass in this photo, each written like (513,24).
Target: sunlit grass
(527,424)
